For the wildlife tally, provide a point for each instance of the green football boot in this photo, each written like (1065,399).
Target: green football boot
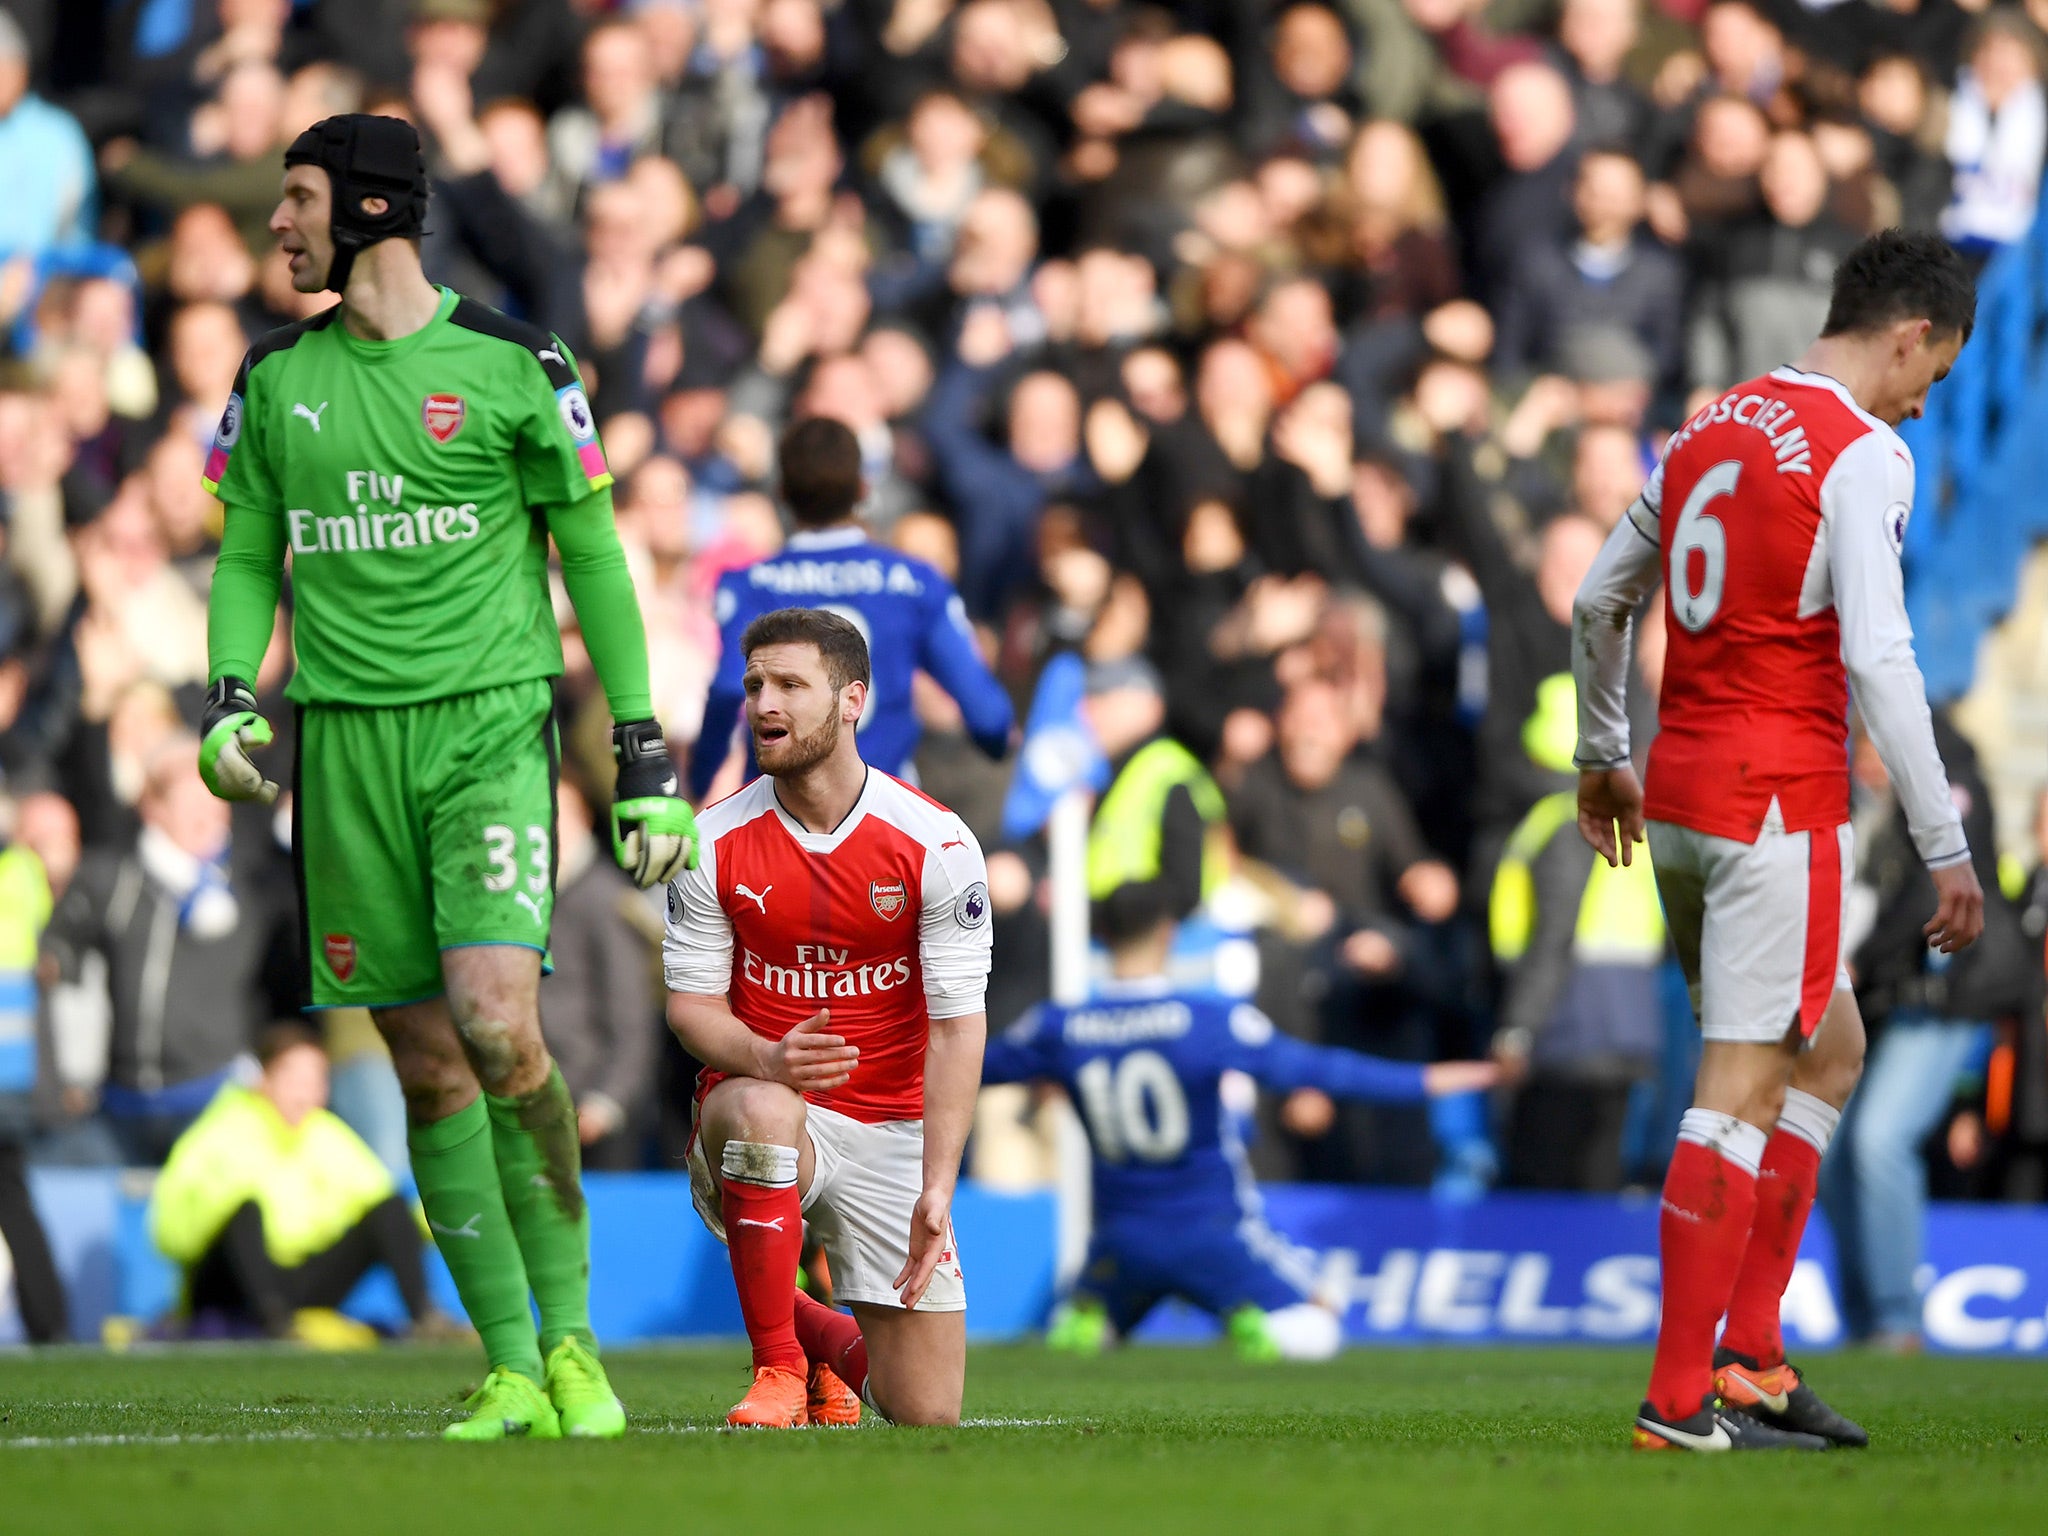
(1249,1336)
(507,1406)
(581,1394)
(1078,1327)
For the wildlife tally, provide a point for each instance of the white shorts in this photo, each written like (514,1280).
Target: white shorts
(864,1187)
(1757,926)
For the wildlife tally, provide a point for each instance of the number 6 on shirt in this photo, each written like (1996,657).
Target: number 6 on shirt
(1695,607)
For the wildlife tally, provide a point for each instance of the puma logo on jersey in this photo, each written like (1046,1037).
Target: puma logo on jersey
(550,355)
(758,898)
(530,904)
(311,413)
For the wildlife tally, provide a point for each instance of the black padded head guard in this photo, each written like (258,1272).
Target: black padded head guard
(363,157)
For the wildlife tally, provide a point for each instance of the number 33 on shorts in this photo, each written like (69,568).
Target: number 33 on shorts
(529,878)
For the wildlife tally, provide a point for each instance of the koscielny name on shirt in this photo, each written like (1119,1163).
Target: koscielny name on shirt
(370,526)
(1776,419)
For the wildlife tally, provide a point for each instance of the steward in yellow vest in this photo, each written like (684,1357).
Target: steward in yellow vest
(275,1208)
(1579,945)
(1163,818)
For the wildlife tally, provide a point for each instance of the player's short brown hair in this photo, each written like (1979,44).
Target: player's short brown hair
(839,643)
(821,472)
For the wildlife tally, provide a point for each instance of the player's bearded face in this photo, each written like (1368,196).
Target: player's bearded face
(792,751)
(793,712)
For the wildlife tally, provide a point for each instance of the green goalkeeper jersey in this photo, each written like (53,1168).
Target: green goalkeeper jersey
(414,483)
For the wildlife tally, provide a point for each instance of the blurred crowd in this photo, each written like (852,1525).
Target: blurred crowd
(1287,362)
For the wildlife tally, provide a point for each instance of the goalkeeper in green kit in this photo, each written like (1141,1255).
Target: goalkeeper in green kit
(413,451)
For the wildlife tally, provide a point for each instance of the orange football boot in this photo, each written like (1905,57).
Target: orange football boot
(832,1402)
(775,1401)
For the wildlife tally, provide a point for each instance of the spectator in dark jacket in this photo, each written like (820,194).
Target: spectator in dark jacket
(1613,275)
(1779,269)
(1580,1023)
(998,491)
(1931,1016)
(1536,126)
(195,960)
(602,1024)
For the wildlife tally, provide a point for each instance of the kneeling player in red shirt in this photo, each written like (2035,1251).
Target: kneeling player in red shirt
(829,957)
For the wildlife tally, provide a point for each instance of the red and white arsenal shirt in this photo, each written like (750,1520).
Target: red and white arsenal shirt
(885,921)
(1776,519)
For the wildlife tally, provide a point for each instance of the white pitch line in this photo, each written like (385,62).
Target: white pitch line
(264,1437)
(62,1442)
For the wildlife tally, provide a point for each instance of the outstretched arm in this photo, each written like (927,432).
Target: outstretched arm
(1019,1054)
(948,651)
(1283,1064)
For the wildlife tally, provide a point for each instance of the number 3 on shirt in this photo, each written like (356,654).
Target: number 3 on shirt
(1695,606)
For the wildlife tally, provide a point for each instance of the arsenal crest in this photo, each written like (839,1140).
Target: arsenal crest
(341,955)
(888,898)
(442,416)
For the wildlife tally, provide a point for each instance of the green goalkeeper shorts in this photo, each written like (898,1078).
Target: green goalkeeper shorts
(418,828)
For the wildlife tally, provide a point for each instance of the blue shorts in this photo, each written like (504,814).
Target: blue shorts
(1133,1266)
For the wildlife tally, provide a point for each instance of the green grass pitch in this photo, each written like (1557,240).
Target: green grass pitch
(1150,1440)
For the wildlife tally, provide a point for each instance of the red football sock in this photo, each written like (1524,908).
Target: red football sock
(1784,1195)
(833,1338)
(764,1234)
(1709,1199)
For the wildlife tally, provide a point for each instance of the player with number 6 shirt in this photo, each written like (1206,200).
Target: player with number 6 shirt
(1776,521)
(828,960)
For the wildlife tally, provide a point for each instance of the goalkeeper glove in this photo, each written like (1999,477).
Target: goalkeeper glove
(654,831)
(227,732)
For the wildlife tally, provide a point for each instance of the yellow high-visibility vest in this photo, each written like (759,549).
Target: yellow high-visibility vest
(1123,842)
(1620,920)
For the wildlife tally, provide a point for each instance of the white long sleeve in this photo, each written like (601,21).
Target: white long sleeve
(955,942)
(1626,568)
(1865,502)
(696,954)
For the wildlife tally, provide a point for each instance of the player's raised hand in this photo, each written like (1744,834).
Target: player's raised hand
(810,1059)
(228,732)
(654,831)
(1611,798)
(1442,1078)
(1960,917)
(931,1243)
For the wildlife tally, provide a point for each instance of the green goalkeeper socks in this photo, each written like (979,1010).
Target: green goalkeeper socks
(459,1186)
(540,1166)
